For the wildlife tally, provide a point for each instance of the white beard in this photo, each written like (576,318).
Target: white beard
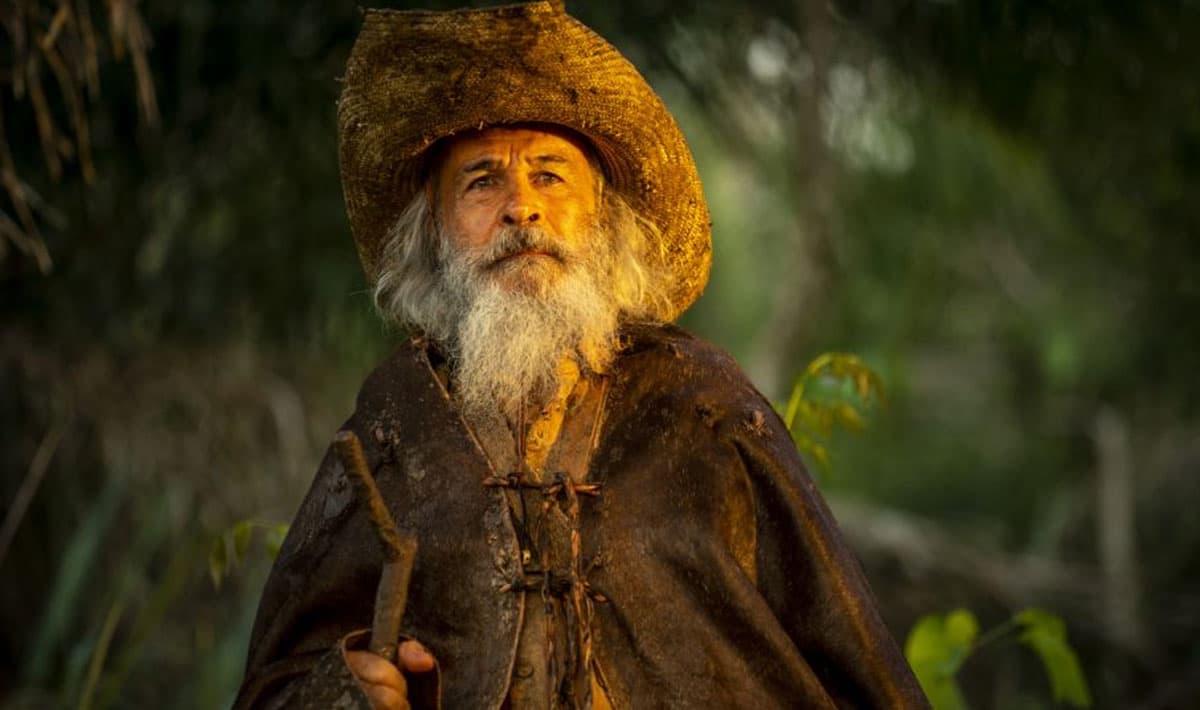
(515,321)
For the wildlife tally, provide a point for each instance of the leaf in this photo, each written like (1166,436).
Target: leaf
(819,363)
(274,539)
(961,628)
(818,418)
(849,417)
(944,693)
(781,409)
(834,390)
(789,410)
(936,648)
(218,561)
(821,455)
(862,383)
(1046,634)
(241,539)
(813,449)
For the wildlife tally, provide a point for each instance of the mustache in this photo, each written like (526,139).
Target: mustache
(512,241)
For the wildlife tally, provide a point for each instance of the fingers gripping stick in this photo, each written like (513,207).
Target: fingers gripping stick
(399,550)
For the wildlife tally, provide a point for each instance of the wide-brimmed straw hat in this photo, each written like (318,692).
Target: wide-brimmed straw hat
(415,77)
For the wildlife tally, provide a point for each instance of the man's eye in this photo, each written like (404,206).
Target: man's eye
(547,178)
(481,182)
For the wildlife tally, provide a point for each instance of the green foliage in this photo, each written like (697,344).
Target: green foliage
(936,648)
(1046,634)
(835,390)
(838,390)
(938,645)
(228,549)
(99,654)
(70,589)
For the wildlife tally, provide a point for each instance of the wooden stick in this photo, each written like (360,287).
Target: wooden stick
(399,551)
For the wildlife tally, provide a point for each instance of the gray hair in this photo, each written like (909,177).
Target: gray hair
(410,290)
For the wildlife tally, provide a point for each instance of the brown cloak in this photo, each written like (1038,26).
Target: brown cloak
(718,575)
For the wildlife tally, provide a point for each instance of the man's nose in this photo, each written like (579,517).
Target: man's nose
(522,206)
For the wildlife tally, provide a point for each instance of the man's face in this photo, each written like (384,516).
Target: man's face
(521,198)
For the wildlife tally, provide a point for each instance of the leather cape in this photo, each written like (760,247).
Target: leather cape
(720,575)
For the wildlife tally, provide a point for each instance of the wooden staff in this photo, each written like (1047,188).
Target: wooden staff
(399,550)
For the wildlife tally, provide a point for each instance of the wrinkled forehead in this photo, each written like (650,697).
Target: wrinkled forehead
(542,137)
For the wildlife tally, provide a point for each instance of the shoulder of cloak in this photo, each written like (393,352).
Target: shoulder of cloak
(402,380)
(666,366)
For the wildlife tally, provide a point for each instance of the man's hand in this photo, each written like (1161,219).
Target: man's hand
(383,682)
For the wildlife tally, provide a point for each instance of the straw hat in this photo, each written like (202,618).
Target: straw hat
(417,76)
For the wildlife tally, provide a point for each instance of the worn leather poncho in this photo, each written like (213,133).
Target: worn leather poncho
(713,572)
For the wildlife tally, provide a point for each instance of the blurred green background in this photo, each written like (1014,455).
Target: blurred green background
(992,203)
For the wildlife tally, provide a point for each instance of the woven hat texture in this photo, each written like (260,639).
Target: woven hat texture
(414,77)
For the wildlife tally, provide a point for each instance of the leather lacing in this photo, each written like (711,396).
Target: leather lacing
(545,577)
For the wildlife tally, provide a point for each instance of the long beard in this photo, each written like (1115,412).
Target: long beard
(518,316)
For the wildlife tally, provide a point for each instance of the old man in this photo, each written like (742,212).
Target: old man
(607,513)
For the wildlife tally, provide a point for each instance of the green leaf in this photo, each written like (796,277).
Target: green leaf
(819,419)
(274,539)
(218,561)
(961,628)
(241,539)
(1046,634)
(834,390)
(944,693)
(849,417)
(862,383)
(789,410)
(781,409)
(821,455)
(813,449)
(936,648)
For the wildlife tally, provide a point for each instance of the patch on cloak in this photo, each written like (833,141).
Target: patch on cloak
(502,541)
(756,422)
(421,480)
(338,492)
(710,413)
(387,439)
(415,472)
(493,525)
